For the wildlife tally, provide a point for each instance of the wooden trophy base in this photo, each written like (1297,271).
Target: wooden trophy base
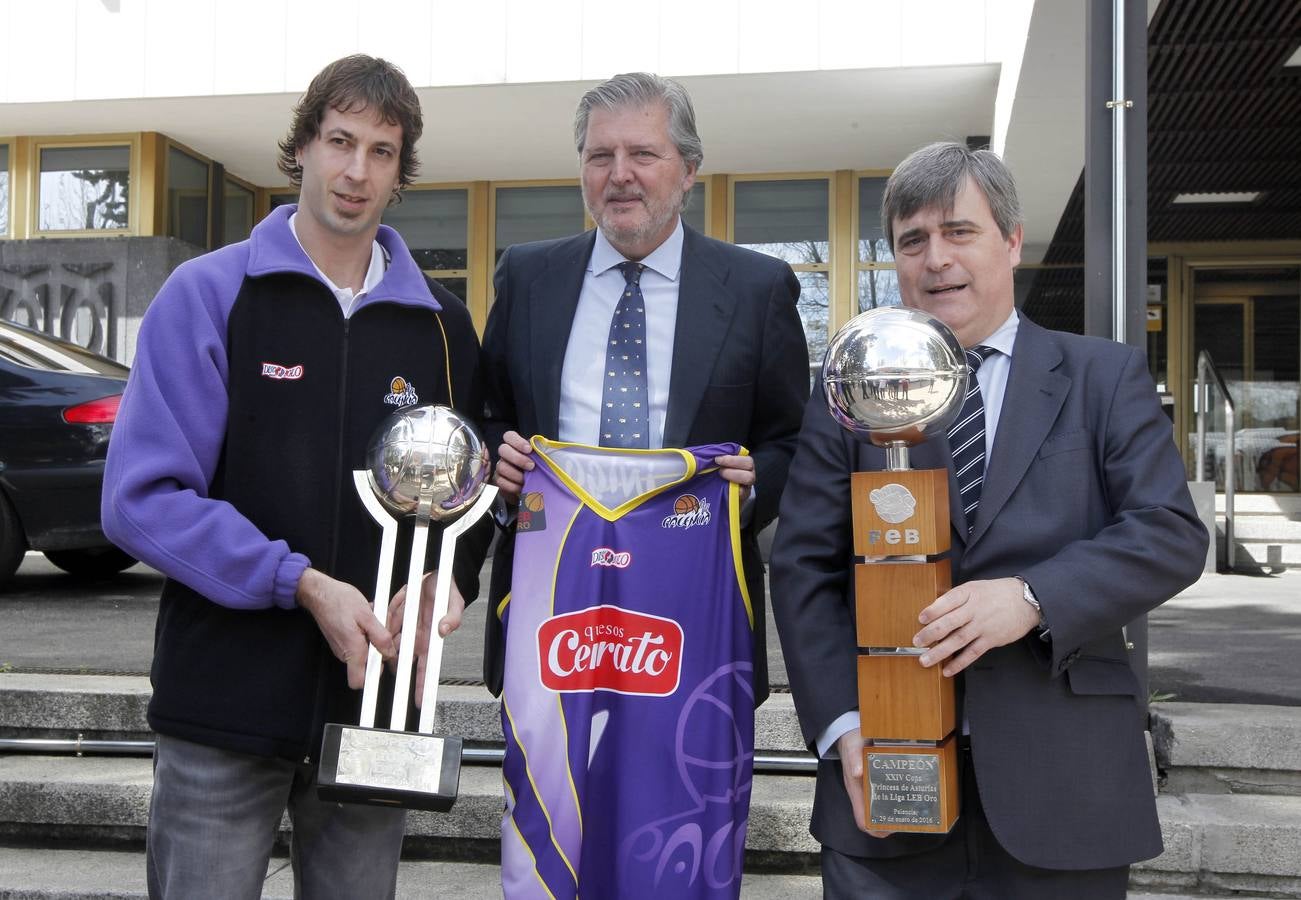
(911,787)
(904,513)
(900,698)
(377,767)
(890,596)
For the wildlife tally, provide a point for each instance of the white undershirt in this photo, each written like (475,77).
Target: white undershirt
(374,274)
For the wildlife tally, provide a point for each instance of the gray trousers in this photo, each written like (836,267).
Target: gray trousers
(213,820)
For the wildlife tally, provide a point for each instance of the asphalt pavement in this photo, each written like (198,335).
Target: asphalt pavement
(1226,639)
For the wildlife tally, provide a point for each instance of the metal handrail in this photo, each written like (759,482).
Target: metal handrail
(769,763)
(1206,366)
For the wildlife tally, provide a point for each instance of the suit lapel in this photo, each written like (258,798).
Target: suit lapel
(1034,396)
(705,308)
(553,298)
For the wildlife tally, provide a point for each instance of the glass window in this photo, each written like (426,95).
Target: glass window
(84,188)
(877,287)
(536,214)
(785,219)
(872,245)
(237,217)
(435,226)
(815,311)
(187,197)
(458,286)
(4,189)
(694,214)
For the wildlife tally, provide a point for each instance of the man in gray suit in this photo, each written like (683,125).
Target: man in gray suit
(1081,523)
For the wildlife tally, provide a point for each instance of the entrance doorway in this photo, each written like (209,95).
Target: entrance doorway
(1249,319)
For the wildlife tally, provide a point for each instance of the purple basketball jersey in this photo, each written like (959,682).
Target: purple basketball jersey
(628,704)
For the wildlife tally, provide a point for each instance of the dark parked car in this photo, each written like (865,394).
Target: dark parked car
(57,406)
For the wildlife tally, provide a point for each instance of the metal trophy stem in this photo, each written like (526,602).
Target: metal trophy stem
(442,594)
(383,579)
(426,463)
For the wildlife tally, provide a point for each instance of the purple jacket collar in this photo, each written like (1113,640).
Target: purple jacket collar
(273,248)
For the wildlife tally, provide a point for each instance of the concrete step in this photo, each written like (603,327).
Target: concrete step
(105,800)
(43,874)
(1275,529)
(1221,843)
(1215,748)
(1261,504)
(1260,553)
(112,707)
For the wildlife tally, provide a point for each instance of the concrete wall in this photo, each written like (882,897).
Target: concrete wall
(92,291)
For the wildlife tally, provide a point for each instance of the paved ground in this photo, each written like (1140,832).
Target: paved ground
(1228,638)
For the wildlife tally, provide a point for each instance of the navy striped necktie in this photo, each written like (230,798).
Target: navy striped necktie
(967,437)
(625,402)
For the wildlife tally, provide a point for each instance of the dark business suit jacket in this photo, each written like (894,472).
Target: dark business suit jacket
(1085,497)
(739,373)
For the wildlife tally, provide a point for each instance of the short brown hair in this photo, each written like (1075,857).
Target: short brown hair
(353,84)
(933,175)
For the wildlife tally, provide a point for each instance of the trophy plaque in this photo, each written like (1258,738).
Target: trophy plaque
(897,377)
(428,464)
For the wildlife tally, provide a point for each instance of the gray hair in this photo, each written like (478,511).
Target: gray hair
(932,177)
(644,89)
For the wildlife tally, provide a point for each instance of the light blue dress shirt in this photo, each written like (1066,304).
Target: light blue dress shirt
(584,367)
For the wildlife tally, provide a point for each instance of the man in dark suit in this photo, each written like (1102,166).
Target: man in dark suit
(725,355)
(1081,524)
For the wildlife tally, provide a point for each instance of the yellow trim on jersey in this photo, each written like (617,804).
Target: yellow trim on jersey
(541,444)
(523,840)
(569,771)
(734,531)
(501,607)
(542,805)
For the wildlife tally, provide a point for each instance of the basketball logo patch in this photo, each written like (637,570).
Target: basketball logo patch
(688,511)
(532,514)
(401,393)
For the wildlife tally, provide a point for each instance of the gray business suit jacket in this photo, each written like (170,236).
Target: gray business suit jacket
(1085,497)
(739,374)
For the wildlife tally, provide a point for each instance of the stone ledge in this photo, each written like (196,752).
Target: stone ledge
(99,705)
(1229,736)
(41,874)
(1229,834)
(96,794)
(112,706)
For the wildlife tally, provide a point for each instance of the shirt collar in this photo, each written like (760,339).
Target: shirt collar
(1004,336)
(666,259)
(374,273)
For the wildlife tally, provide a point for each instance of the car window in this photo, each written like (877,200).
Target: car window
(37,351)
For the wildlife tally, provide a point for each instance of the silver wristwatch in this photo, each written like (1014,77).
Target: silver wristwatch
(1027,594)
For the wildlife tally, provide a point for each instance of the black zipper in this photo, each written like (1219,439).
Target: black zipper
(323,668)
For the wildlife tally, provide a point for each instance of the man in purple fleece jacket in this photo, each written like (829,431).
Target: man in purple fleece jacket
(261,371)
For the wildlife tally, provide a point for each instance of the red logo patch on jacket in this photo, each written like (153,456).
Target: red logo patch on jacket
(281,373)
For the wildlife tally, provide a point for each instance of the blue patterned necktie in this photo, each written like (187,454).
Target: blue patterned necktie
(967,437)
(625,412)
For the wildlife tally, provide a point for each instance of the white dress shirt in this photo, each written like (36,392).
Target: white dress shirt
(992,376)
(584,367)
(374,274)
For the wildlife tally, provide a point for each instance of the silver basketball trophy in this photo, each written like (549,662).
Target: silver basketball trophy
(897,377)
(428,463)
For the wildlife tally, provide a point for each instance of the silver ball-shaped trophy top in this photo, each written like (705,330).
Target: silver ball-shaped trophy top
(427,460)
(894,376)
